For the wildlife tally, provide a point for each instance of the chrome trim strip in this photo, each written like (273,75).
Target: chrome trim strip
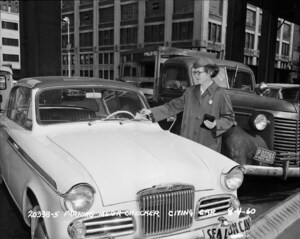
(224,199)
(30,162)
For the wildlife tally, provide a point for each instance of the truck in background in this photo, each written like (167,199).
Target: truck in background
(266,139)
(6,83)
(141,66)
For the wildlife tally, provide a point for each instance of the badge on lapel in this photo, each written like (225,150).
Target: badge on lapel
(210,102)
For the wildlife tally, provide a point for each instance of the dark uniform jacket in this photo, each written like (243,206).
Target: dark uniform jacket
(213,101)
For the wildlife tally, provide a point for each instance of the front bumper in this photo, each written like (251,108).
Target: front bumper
(283,172)
(276,171)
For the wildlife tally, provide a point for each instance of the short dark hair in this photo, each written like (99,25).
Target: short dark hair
(213,69)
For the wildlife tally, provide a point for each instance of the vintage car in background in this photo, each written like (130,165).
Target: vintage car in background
(93,168)
(266,139)
(290,92)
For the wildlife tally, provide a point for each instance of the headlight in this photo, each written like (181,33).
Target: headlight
(80,198)
(234,179)
(260,122)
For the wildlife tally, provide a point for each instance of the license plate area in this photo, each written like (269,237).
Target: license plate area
(238,229)
(265,155)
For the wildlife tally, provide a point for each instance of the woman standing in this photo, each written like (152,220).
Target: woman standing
(207,109)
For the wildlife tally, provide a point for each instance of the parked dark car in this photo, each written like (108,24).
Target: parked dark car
(266,139)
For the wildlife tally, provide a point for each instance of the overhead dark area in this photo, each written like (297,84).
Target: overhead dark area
(40,23)
(285,9)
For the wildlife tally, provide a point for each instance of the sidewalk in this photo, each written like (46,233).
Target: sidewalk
(274,222)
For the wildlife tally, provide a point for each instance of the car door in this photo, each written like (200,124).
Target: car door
(242,95)
(16,128)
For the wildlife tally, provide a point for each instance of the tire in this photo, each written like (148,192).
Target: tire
(37,225)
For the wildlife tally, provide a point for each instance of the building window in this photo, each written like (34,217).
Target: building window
(84,2)
(86,59)
(10,42)
(250,20)
(65,60)
(182,31)
(10,57)
(285,50)
(278,28)
(10,25)
(277,47)
(106,37)
(214,32)
(106,58)
(106,74)
(248,60)
(286,31)
(155,8)
(86,39)
(249,40)
(216,7)
(86,18)
(154,33)
(128,35)
(129,12)
(183,6)
(67,4)
(106,15)
(65,40)
(260,22)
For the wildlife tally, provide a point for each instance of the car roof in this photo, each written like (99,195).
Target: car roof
(52,81)
(191,59)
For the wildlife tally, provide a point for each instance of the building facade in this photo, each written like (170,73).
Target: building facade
(9,35)
(101,29)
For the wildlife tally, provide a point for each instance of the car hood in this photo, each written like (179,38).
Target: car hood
(125,159)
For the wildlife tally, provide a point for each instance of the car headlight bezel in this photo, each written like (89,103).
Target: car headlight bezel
(232,180)
(259,122)
(79,198)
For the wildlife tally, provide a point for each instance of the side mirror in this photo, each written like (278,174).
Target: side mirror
(262,87)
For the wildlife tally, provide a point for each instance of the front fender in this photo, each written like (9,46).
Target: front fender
(240,145)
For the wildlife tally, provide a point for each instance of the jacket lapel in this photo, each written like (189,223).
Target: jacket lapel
(197,93)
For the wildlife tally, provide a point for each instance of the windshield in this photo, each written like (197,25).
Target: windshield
(175,78)
(239,79)
(85,104)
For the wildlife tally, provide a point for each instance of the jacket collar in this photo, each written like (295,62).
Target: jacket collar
(210,90)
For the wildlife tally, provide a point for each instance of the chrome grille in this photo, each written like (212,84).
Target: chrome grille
(286,139)
(213,206)
(110,226)
(173,207)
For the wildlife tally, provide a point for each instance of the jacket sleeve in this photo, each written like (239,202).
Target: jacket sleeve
(169,109)
(226,119)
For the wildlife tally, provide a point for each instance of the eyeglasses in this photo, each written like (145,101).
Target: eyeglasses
(198,72)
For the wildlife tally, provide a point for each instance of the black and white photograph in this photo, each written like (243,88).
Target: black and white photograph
(149,119)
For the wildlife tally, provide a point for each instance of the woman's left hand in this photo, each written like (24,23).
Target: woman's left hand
(209,124)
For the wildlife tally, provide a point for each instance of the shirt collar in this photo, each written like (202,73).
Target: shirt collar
(210,89)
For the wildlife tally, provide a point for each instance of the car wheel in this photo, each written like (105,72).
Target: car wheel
(37,225)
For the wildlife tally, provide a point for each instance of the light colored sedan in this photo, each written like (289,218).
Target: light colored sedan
(92,168)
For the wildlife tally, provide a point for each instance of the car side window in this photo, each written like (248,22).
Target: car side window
(20,108)
(239,79)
